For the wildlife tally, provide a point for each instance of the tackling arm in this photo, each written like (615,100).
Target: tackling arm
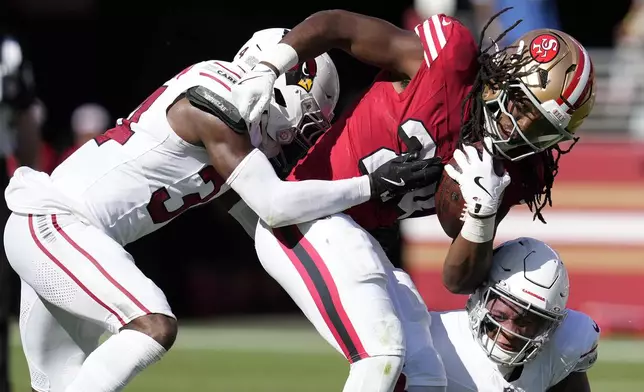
(250,174)
(203,117)
(371,40)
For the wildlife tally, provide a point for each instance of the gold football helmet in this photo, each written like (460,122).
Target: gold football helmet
(552,94)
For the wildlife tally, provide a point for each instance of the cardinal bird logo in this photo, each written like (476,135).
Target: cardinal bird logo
(302,75)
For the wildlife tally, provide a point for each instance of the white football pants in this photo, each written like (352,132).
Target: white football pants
(343,282)
(77,283)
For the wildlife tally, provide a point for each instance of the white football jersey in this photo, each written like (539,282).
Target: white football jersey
(572,348)
(139,175)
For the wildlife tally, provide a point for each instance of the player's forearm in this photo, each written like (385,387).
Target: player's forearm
(469,257)
(282,203)
(466,265)
(363,37)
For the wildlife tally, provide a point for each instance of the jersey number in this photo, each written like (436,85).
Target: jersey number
(157,206)
(411,131)
(123,131)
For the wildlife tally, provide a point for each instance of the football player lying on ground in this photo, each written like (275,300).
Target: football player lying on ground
(437,91)
(183,146)
(515,333)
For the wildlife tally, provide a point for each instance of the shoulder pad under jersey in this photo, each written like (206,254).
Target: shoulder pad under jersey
(210,102)
(576,342)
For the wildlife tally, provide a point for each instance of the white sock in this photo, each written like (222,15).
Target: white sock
(115,363)
(374,374)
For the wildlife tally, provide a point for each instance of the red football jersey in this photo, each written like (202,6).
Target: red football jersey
(382,123)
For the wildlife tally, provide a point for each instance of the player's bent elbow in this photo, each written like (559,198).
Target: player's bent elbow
(275,217)
(267,217)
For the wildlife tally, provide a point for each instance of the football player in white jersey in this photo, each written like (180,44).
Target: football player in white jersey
(183,146)
(516,333)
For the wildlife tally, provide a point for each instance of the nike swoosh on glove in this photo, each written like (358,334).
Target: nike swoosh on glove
(481,187)
(404,174)
(253,93)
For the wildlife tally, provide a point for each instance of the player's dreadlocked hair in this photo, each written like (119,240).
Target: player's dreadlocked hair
(496,70)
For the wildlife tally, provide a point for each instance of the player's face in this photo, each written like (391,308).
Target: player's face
(525,114)
(515,320)
(529,124)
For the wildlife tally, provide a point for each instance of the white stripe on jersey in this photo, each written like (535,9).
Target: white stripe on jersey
(430,40)
(432,46)
(418,33)
(438,27)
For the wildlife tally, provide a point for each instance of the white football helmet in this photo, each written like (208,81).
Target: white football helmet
(303,100)
(528,274)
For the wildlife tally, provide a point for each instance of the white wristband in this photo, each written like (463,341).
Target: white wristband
(283,57)
(478,230)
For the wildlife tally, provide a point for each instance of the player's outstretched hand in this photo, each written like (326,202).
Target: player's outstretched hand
(482,188)
(404,174)
(253,92)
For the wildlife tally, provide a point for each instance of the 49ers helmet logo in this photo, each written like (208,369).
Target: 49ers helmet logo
(302,75)
(544,48)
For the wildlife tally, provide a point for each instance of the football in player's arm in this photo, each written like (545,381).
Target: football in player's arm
(382,44)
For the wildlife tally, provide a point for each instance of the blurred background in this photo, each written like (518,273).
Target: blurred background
(89,62)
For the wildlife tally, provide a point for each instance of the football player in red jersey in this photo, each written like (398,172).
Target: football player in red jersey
(438,91)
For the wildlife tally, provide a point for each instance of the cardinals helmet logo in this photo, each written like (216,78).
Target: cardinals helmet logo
(302,75)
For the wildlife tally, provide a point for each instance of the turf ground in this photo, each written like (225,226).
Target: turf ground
(245,357)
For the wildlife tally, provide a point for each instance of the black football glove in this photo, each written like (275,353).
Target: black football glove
(404,174)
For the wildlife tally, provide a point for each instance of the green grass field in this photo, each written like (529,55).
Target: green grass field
(291,357)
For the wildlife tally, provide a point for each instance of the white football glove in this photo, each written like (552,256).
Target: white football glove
(481,187)
(253,92)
